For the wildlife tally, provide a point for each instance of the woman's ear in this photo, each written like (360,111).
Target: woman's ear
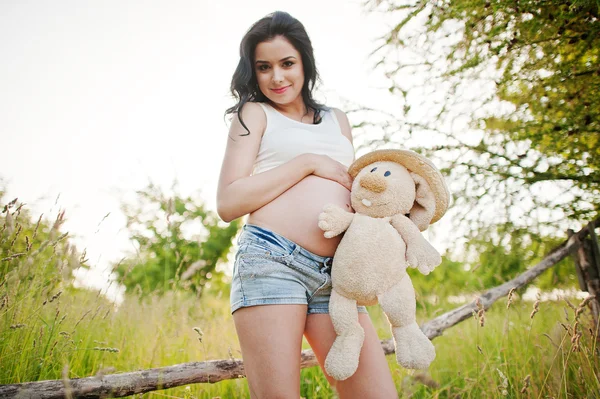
(424,207)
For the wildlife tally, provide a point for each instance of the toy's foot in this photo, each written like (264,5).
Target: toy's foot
(413,349)
(342,359)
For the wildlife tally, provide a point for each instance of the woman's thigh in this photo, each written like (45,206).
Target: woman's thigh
(373,378)
(271,341)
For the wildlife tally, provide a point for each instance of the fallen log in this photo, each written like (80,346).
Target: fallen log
(125,384)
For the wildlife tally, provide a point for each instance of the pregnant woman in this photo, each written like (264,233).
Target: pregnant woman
(286,157)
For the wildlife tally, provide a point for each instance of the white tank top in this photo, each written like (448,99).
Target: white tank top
(285,138)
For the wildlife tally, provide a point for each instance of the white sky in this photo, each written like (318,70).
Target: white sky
(99,97)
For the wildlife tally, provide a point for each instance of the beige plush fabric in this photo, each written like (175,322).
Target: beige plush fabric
(393,204)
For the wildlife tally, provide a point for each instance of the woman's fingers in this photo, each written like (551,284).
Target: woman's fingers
(344,177)
(346,181)
(331,169)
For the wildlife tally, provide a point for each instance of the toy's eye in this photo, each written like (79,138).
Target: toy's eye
(374,169)
(386,174)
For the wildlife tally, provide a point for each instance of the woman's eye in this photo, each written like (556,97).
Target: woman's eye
(374,169)
(288,63)
(386,174)
(263,67)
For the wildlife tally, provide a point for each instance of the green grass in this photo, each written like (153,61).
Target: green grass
(81,331)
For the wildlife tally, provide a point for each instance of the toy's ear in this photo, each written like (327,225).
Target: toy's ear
(424,207)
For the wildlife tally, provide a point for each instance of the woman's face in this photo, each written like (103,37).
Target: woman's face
(279,70)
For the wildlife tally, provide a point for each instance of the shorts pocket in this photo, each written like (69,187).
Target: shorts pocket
(262,251)
(251,266)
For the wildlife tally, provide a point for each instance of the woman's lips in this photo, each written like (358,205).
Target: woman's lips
(279,91)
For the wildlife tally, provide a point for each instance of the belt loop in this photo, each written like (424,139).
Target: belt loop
(295,251)
(243,230)
(292,255)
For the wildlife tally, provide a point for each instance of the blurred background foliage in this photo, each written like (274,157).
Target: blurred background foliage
(179,243)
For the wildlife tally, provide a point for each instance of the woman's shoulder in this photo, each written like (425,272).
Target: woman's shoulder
(340,115)
(253,109)
(343,121)
(253,116)
(338,112)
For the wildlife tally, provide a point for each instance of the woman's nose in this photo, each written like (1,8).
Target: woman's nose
(277,75)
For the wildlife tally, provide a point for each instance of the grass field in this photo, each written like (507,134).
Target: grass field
(500,353)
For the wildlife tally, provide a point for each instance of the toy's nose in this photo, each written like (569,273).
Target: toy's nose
(373,182)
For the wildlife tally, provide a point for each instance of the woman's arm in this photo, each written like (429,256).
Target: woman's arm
(239,193)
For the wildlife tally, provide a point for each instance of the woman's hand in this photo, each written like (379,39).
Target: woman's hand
(328,168)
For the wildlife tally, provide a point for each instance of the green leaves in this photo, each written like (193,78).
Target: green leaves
(179,243)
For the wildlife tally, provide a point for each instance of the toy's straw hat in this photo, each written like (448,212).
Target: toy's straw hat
(415,163)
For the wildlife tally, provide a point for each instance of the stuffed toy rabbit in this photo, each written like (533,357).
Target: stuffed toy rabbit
(396,195)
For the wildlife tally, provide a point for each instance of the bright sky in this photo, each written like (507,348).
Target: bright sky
(99,97)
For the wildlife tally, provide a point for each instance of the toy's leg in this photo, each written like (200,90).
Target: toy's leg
(413,349)
(342,359)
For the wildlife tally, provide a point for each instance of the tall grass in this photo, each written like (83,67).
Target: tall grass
(50,330)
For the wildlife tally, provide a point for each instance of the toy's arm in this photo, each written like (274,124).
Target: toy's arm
(334,220)
(419,252)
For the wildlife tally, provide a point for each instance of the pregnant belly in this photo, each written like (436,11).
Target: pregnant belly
(295,213)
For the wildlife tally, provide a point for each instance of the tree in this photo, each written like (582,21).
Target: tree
(505,96)
(179,243)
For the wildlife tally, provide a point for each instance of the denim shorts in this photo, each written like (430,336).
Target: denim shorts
(270,269)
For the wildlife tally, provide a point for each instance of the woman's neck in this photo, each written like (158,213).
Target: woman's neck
(296,110)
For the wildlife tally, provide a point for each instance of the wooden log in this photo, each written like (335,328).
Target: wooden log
(125,384)
(436,327)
